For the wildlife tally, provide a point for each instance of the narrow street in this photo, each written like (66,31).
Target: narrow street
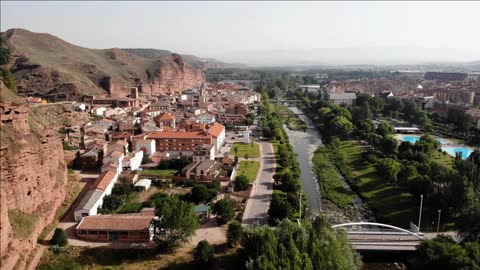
(256,209)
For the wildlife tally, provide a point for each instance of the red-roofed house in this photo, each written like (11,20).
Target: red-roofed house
(165,120)
(218,135)
(132,228)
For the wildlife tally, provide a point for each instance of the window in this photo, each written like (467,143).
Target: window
(123,233)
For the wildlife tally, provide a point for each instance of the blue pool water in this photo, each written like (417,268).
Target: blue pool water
(464,151)
(451,150)
(414,138)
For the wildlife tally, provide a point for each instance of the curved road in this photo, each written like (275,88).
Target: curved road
(256,210)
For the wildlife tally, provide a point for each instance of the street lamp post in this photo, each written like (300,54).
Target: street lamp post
(420,214)
(438,222)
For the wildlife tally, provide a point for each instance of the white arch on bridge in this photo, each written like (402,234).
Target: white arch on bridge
(379,225)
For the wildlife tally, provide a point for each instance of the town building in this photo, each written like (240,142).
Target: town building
(346,99)
(133,160)
(147,146)
(178,143)
(93,199)
(165,120)
(203,151)
(218,135)
(206,170)
(130,228)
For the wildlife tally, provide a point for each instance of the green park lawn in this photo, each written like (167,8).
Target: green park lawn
(391,204)
(249,168)
(253,152)
(445,160)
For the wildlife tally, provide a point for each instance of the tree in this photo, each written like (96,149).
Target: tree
(389,168)
(177,224)
(289,183)
(112,202)
(385,129)
(246,156)
(443,253)
(314,245)
(224,209)
(124,188)
(200,193)
(341,126)
(279,208)
(204,253)
(468,225)
(146,159)
(4,52)
(234,233)
(388,145)
(241,183)
(59,238)
(9,80)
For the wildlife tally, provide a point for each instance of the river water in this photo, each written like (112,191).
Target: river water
(304,144)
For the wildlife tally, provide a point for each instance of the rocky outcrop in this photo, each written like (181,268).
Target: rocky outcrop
(172,75)
(47,66)
(33,183)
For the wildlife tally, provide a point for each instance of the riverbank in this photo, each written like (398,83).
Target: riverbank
(326,189)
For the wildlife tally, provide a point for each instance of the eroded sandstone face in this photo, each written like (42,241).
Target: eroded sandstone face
(33,183)
(174,78)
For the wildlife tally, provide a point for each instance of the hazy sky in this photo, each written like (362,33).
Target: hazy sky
(223,28)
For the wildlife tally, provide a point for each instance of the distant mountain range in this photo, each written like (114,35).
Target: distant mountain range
(379,56)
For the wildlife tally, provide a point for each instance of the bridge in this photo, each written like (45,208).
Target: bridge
(387,238)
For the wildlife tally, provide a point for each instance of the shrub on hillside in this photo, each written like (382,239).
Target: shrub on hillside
(59,238)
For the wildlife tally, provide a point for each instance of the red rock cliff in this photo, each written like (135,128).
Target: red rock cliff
(172,74)
(33,183)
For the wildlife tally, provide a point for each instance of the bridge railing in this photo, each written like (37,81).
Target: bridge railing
(393,228)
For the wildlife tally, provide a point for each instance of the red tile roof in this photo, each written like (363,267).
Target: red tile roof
(216,129)
(104,180)
(115,223)
(166,116)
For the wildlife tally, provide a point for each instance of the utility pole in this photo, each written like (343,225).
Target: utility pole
(438,222)
(300,203)
(420,214)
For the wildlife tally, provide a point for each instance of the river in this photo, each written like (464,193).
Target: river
(304,144)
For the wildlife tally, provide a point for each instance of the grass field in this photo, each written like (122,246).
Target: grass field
(253,152)
(446,160)
(249,168)
(159,173)
(22,223)
(392,204)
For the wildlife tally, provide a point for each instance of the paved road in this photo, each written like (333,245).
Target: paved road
(259,201)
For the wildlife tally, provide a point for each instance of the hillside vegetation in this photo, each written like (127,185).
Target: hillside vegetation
(46,65)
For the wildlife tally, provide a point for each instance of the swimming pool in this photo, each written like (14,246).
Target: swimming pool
(451,150)
(415,138)
(464,151)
